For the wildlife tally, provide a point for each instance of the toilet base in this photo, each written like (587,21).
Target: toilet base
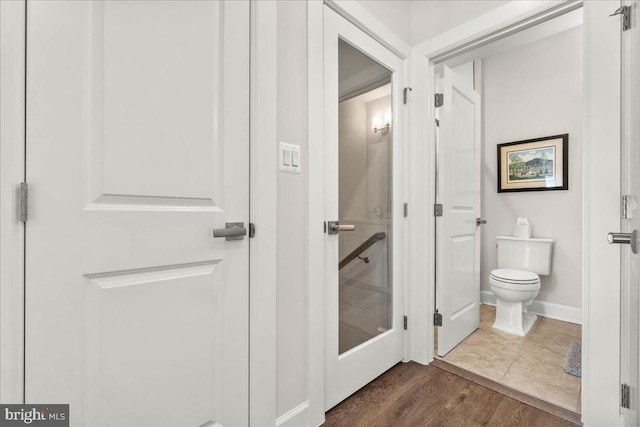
(513,318)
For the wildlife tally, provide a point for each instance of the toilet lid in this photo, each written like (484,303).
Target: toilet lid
(515,276)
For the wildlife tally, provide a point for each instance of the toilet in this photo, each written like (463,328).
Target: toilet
(516,281)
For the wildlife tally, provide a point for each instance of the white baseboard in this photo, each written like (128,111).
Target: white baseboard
(297,417)
(542,308)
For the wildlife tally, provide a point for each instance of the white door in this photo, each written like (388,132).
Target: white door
(630,186)
(458,191)
(363,189)
(137,148)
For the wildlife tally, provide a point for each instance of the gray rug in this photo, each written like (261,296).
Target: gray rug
(573,364)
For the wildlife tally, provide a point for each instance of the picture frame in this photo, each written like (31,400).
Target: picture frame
(540,164)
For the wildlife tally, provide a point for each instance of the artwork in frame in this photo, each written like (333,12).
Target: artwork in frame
(539,164)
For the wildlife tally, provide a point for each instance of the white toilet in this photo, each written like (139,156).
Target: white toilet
(516,282)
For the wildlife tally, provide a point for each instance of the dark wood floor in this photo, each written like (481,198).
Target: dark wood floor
(410,394)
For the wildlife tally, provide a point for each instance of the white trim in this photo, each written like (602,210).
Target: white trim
(543,308)
(12,138)
(263,211)
(601,262)
(315,270)
(364,20)
(298,416)
(511,18)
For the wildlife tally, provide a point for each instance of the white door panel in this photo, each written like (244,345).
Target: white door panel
(458,236)
(135,314)
(630,185)
(364,186)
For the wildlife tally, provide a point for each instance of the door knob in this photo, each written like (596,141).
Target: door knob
(480,221)
(625,239)
(232,231)
(334,227)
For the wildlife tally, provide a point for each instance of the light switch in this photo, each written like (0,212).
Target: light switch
(289,158)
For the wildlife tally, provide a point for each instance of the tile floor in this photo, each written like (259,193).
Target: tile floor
(533,364)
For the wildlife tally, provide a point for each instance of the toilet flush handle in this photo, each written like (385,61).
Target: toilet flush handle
(480,221)
(625,239)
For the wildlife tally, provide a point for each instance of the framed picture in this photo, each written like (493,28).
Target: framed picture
(539,164)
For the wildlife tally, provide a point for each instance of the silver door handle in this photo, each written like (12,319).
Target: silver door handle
(625,239)
(480,221)
(334,227)
(232,231)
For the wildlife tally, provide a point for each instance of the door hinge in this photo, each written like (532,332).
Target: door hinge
(626,205)
(625,391)
(625,14)
(437,123)
(405,95)
(437,318)
(439,100)
(406,322)
(24,201)
(437,209)
(252,230)
(406,210)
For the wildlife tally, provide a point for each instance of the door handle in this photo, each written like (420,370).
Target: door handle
(334,227)
(232,231)
(480,221)
(625,239)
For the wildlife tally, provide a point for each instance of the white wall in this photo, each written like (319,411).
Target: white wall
(429,18)
(291,245)
(532,92)
(418,20)
(392,13)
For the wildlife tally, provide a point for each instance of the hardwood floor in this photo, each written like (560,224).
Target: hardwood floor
(410,394)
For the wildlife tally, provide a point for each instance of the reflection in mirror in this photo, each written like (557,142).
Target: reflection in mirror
(365,135)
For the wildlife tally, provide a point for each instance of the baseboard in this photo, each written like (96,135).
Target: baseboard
(297,417)
(542,308)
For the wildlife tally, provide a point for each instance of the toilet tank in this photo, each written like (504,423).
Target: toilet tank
(525,254)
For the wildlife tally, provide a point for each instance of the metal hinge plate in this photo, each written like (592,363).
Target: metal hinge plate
(24,201)
(406,322)
(627,207)
(437,319)
(624,395)
(625,13)
(405,95)
(405,209)
(437,209)
(437,123)
(439,100)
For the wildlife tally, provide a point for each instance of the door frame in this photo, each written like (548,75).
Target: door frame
(601,207)
(363,20)
(263,207)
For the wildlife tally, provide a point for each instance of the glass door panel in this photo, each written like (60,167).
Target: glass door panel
(365,198)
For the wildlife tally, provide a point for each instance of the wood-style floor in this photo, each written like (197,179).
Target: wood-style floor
(414,395)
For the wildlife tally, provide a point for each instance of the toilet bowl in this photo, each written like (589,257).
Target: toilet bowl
(514,291)
(516,281)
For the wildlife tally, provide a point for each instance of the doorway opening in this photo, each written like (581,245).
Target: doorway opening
(530,86)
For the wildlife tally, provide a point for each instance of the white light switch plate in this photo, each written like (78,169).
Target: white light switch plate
(289,158)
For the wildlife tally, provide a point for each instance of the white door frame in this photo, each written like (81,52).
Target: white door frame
(263,208)
(362,19)
(601,304)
